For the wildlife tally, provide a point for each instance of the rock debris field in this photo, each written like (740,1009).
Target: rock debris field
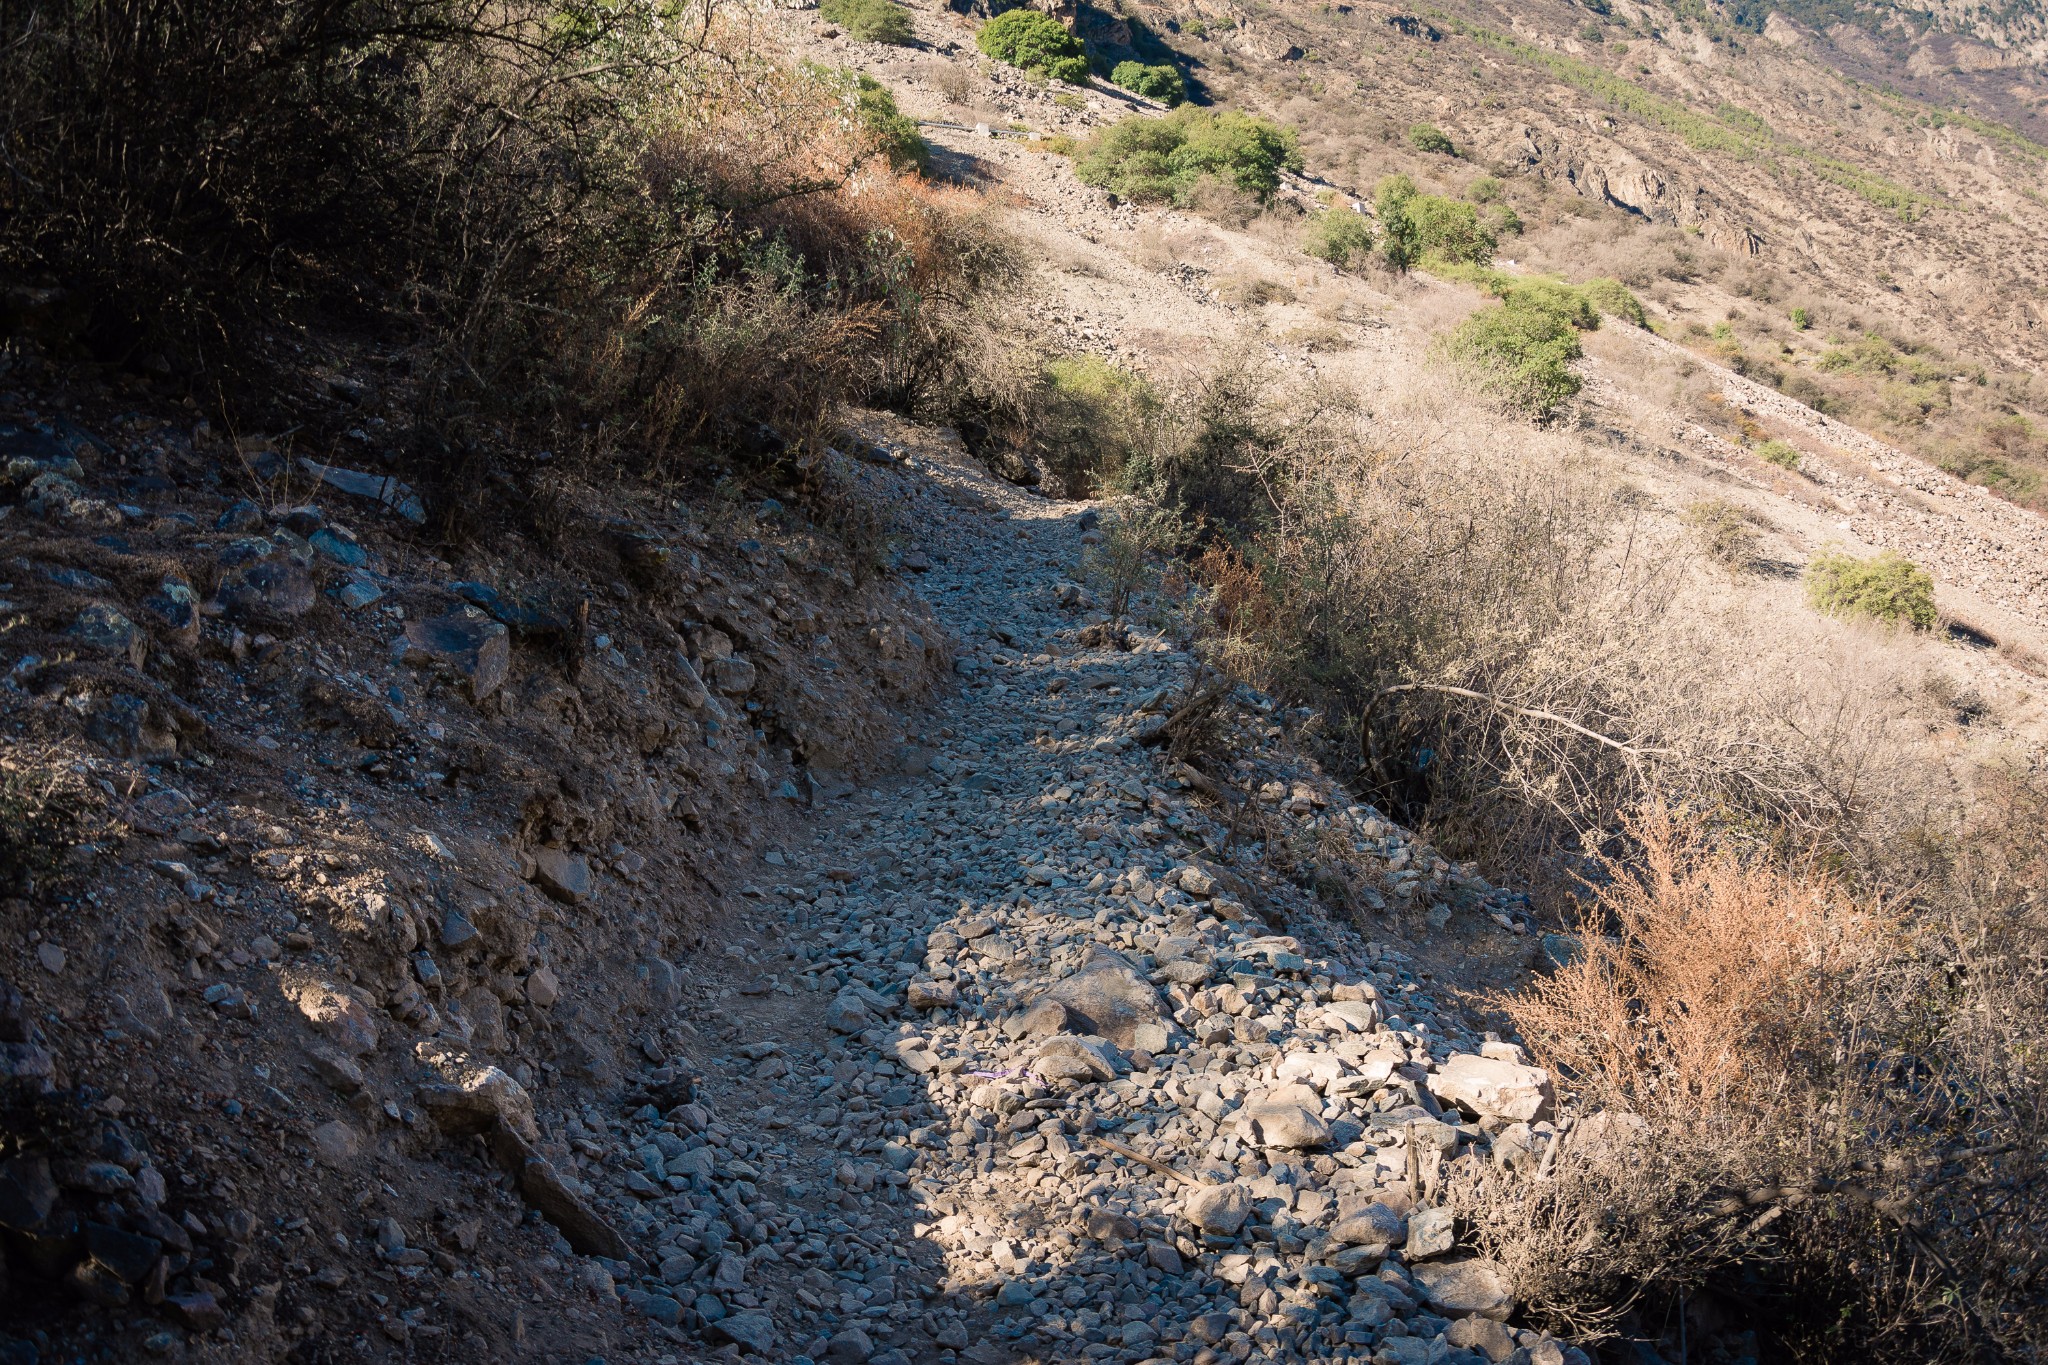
(1033,1078)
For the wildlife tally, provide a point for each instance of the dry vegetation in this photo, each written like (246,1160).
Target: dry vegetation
(631,237)
(1813,937)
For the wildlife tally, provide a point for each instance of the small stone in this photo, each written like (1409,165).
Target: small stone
(335,1144)
(197,1311)
(1431,1232)
(1219,1210)
(1014,1294)
(51,956)
(542,987)
(562,874)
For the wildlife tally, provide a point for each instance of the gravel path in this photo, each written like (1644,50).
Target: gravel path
(1015,1067)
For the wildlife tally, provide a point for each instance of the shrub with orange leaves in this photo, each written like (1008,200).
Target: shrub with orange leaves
(1708,979)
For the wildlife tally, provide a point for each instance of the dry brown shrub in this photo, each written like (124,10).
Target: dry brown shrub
(1706,978)
(1818,1112)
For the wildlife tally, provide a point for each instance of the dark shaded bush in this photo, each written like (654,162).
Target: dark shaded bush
(1161,82)
(615,224)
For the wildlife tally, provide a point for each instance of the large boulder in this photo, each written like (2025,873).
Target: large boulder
(471,1098)
(1486,1086)
(336,1011)
(1108,996)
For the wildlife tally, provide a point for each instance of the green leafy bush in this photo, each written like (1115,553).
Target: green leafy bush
(1400,242)
(1614,298)
(1451,229)
(1778,453)
(874,109)
(871,21)
(1521,350)
(1033,41)
(1427,137)
(1801,319)
(1414,225)
(1092,422)
(1165,160)
(1162,82)
(1340,236)
(1887,588)
(1483,190)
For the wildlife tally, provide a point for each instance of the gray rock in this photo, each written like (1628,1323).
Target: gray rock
(850,1346)
(1219,1210)
(1474,1285)
(1067,1057)
(1490,1338)
(754,1331)
(1374,1224)
(563,875)
(1431,1232)
(1487,1087)
(335,1144)
(1111,997)
(470,644)
(475,1099)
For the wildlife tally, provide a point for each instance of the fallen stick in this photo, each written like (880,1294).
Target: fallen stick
(1133,1154)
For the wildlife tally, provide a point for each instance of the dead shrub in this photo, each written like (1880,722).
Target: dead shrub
(1818,1110)
(1703,978)
(1725,532)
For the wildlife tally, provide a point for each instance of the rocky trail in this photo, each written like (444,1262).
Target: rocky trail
(1011,1065)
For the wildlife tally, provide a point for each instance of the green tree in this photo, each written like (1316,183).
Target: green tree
(1340,236)
(1520,351)
(1400,242)
(1162,82)
(1451,229)
(1162,160)
(1427,137)
(1033,41)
